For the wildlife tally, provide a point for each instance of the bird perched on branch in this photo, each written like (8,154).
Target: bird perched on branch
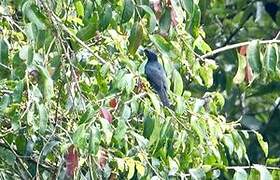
(156,76)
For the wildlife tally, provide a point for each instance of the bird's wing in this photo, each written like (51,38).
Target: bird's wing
(155,75)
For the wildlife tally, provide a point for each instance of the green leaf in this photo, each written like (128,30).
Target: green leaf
(262,143)
(195,22)
(264,173)
(79,8)
(89,31)
(30,116)
(87,116)
(43,117)
(107,130)
(201,45)
(197,173)
(3,52)
(31,31)
(180,105)
(253,56)
(173,166)
(228,141)
(127,11)
(105,17)
(26,53)
(140,168)
(155,136)
(206,74)
(126,112)
(135,38)
(119,133)
(95,138)
(163,45)
(5,101)
(49,148)
(148,126)
(155,101)
(240,74)
(153,20)
(7,156)
(48,90)
(80,137)
(131,168)
(240,174)
(31,11)
(188,6)
(271,58)
(178,83)
(165,21)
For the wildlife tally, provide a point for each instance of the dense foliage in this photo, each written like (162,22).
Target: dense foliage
(75,103)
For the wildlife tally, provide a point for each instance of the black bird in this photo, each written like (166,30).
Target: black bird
(156,76)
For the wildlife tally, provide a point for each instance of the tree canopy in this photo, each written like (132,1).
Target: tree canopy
(75,102)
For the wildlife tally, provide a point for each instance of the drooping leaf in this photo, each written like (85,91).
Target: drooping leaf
(89,31)
(105,17)
(253,56)
(131,168)
(120,132)
(3,52)
(43,117)
(107,130)
(152,20)
(165,22)
(271,58)
(49,148)
(148,126)
(140,168)
(178,83)
(7,155)
(180,105)
(87,116)
(197,173)
(135,38)
(79,8)
(47,83)
(240,74)
(17,94)
(264,173)
(155,102)
(201,45)
(188,6)
(95,139)
(248,73)
(5,101)
(72,161)
(127,11)
(228,140)
(206,74)
(104,113)
(195,21)
(32,12)
(262,143)
(26,53)
(126,112)
(80,137)
(240,174)
(163,45)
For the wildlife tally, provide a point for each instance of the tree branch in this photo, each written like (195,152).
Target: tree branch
(233,46)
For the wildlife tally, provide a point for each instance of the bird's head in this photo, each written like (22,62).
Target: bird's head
(150,55)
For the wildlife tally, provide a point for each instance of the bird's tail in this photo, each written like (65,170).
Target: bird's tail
(163,97)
